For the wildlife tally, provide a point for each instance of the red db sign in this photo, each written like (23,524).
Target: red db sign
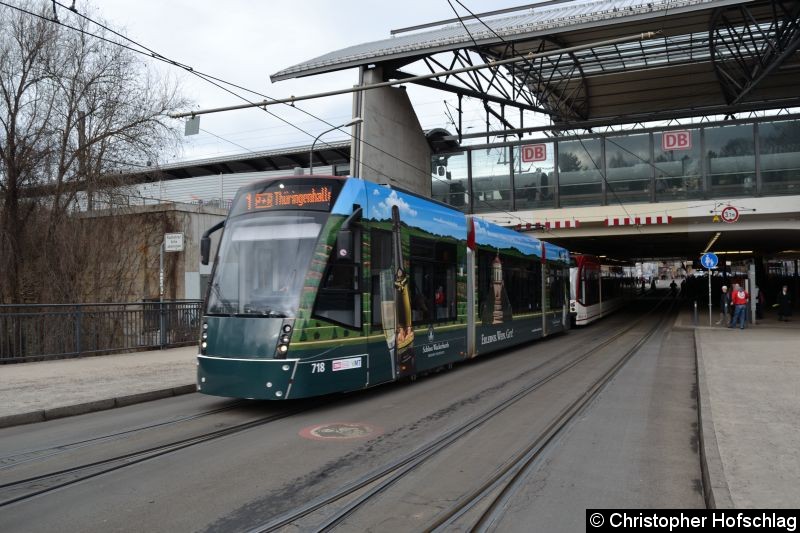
(532,153)
(676,140)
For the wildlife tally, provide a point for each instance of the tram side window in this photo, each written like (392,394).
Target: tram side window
(380,260)
(521,281)
(338,295)
(536,283)
(522,284)
(590,284)
(557,287)
(433,280)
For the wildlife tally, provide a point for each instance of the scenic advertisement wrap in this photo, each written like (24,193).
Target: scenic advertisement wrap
(329,284)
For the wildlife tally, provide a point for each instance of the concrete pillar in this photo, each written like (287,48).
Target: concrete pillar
(391,145)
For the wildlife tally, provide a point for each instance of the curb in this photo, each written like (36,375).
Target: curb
(715,486)
(53,413)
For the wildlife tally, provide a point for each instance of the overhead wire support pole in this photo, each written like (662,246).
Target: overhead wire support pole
(471,68)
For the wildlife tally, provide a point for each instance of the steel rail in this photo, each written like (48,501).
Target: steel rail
(509,478)
(11,461)
(387,475)
(84,472)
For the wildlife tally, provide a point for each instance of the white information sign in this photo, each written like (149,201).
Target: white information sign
(173,242)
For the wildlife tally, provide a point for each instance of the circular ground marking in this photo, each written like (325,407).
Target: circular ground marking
(340,431)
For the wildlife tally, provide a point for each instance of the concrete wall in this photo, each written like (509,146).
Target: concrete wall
(392,147)
(193,223)
(144,229)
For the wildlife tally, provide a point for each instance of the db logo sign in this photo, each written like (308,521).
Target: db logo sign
(730,214)
(676,140)
(532,153)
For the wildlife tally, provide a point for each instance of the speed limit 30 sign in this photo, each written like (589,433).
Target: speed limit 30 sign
(729,214)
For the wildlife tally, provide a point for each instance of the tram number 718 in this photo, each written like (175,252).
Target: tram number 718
(317,368)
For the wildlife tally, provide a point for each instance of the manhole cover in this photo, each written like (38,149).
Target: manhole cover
(340,431)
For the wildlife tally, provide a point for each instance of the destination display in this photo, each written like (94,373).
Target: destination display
(314,197)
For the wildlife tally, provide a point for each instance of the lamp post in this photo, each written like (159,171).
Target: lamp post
(357,120)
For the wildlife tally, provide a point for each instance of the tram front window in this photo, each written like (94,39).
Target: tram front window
(262,264)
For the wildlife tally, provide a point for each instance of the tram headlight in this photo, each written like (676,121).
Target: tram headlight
(205,326)
(282,349)
(205,335)
(204,345)
(285,339)
(287,328)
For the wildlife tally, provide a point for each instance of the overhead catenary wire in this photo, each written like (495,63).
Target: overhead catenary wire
(378,172)
(214,81)
(211,79)
(597,167)
(413,79)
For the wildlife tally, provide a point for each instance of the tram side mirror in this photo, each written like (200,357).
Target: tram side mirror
(344,245)
(205,241)
(205,249)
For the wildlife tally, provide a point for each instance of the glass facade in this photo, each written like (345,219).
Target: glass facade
(779,157)
(628,168)
(677,164)
(712,161)
(491,179)
(579,172)
(534,178)
(730,155)
(449,183)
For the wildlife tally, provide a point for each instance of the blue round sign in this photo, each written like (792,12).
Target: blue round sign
(709,260)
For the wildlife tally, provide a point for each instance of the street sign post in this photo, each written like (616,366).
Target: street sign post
(709,261)
(173,242)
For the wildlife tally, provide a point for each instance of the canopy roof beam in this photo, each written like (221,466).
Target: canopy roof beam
(745,51)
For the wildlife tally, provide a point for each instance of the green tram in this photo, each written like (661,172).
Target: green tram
(333,284)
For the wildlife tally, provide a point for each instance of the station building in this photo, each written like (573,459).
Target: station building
(623,128)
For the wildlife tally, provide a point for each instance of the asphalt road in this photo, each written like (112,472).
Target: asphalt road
(636,445)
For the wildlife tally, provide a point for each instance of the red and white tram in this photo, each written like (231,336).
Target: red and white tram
(597,289)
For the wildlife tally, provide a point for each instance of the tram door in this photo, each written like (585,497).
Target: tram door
(546,284)
(393,356)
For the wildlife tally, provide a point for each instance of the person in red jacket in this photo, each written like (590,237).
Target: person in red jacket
(739,299)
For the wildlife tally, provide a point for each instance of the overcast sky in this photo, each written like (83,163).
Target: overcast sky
(246,41)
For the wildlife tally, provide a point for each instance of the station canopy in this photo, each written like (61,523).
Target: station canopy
(710,57)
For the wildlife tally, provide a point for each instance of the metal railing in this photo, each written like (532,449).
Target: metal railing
(53,331)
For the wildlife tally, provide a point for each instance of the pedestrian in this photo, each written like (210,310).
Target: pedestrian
(784,304)
(739,299)
(724,305)
(758,295)
(734,288)
(673,288)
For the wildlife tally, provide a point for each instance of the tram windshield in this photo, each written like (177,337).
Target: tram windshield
(262,263)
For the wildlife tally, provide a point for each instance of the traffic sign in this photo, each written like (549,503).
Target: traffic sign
(173,242)
(709,260)
(729,214)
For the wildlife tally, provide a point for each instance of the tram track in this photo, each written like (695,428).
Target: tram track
(495,493)
(25,489)
(15,459)
(366,488)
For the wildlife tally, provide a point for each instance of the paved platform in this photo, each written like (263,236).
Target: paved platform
(749,398)
(748,388)
(33,392)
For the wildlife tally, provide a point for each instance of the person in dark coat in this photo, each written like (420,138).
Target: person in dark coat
(724,306)
(784,304)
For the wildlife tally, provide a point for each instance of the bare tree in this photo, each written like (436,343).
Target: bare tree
(74,110)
